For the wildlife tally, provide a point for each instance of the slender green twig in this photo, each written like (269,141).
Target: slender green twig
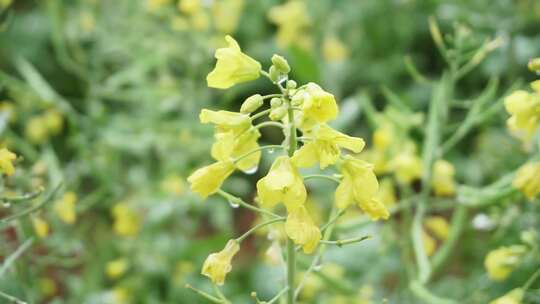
(255,228)
(340,243)
(459,218)
(531,280)
(24,197)
(11,299)
(291,252)
(30,210)
(204,294)
(223,298)
(14,256)
(257,150)
(260,114)
(423,293)
(322,176)
(236,200)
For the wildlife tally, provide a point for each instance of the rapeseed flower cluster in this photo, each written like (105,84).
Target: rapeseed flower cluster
(307,109)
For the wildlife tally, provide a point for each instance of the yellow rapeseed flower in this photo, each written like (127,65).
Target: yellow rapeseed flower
(324,147)
(227,14)
(36,130)
(6,161)
(41,227)
(407,166)
(502,261)
(47,286)
(387,193)
(207,180)
(217,265)
(292,21)
(334,50)
(437,225)
(443,178)
(154,5)
(173,184)
(54,121)
(116,268)
(527,179)
(525,110)
(318,105)
(430,244)
(283,184)
(359,184)
(301,229)
(189,6)
(232,67)
(126,220)
(515,296)
(65,208)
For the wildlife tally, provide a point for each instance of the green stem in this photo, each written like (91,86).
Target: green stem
(255,228)
(14,256)
(291,252)
(459,219)
(531,280)
(257,150)
(340,243)
(23,197)
(204,294)
(423,293)
(224,299)
(231,198)
(260,114)
(322,176)
(11,299)
(31,209)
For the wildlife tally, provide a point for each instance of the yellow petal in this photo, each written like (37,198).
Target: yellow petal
(6,161)
(306,156)
(207,180)
(301,229)
(217,265)
(344,192)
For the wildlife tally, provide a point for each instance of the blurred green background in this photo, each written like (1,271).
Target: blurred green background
(104,95)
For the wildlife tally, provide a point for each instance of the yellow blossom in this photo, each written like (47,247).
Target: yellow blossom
(527,179)
(207,180)
(120,295)
(334,50)
(36,130)
(200,20)
(189,6)
(182,269)
(87,21)
(154,5)
(54,121)
(65,208)
(406,165)
(318,106)
(502,261)
(438,225)
(324,147)
(41,227)
(173,184)
(126,220)
(525,110)
(48,287)
(387,193)
(383,137)
(283,184)
(5,3)
(217,265)
(515,296)
(430,245)
(359,184)
(292,21)
(6,161)
(227,14)
(443,178)
(301,229)
(116,268)
(232,67)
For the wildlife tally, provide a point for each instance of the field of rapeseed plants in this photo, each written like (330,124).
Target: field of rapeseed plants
(273,151)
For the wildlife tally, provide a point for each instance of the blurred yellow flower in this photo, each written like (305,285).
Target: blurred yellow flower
(47,287)
(36,130)
(283,184)
(324,147)
(534,64)
(154,5)
(502,261)
(120,295)
(41,227)
(524,109)
(301,229)
(5,3)
(334,50)
(227,14)
(200,21)
(207,180)
(515,296)
(182,269)
(387,193)
(443,178)
(406,165)
(383,136)
(65,208)
(359,184)
(438,226)
(430,244)
(232,67)
(7,158)
(189,6)
(527,179)
(87,21)
(54,121)
(126,220)
(173,184)
(217,265)
(116,268)
(292,20)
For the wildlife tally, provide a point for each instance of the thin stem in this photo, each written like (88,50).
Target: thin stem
(531,280)
(291,252)
(204,294)
(11,299)
(32,209)
(333,220)
(257,150)
(224,299)
(255,228)
(340,243)
(14,256)
(322,176)
(278,296)
(427,296)
(236,200)
(24,197)
(260,114)
(259,126)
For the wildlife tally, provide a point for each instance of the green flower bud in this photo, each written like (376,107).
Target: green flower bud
(291,84)
(251,104)
(297,100)
(281,64)
(275,102)
(278,113)
(534,64)
(274,74)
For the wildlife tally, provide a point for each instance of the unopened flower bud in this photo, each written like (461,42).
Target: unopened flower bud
(274,73)
(534,64)
(291,84)
(251,104)
(278,113)
(297,100)
(281,64)
(275,102)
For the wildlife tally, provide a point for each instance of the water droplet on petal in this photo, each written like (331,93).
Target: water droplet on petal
(251,170)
